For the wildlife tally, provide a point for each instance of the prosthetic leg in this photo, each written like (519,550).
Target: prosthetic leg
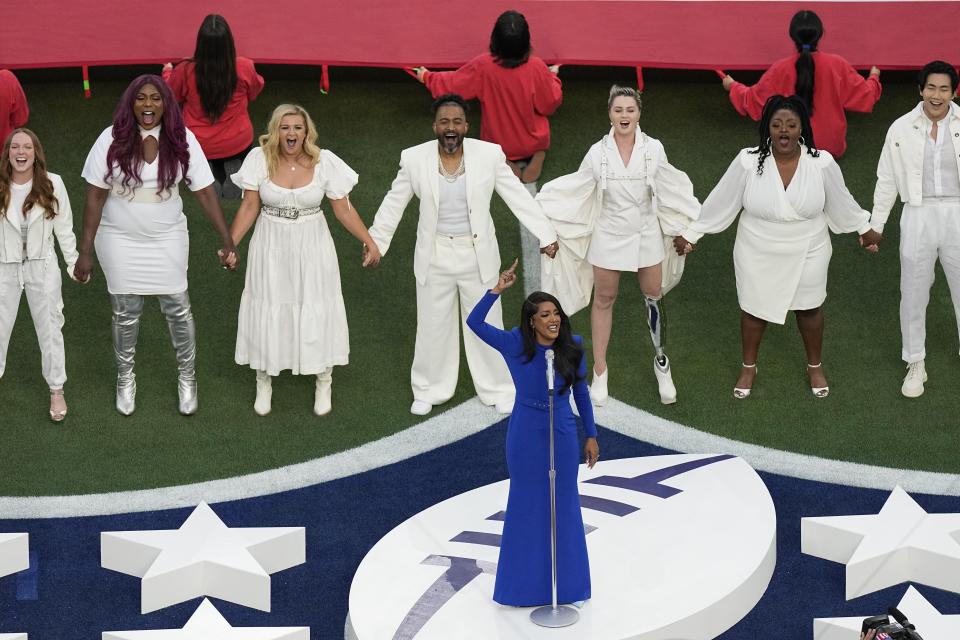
(661,364)
(176,308)
(126,327)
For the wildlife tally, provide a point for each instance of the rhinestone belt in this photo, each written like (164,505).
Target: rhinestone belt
(289,213)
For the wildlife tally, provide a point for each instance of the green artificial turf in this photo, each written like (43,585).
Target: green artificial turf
(367,118)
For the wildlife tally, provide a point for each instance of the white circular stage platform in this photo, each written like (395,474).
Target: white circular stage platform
(681,548)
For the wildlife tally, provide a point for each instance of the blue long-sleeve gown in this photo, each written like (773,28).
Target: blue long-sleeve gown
(523,571)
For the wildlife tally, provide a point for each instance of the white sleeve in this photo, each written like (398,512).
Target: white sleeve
(95,166)
(253,172)
(843,213)
(885,193)
(388,216)
(198,171)
(63,224)
(723,204)
(675,199)
(520,202)
(338,178)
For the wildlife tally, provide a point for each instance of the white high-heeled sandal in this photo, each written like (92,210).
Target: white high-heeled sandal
(743,393)
(818,392)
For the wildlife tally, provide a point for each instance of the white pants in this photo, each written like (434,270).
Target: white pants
(41,280)
(927,232)
(452,289)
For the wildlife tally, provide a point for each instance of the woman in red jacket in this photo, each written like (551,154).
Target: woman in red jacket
(214,88)
(517,91)
(825,81)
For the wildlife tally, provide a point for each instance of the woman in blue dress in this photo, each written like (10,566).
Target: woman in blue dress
(523,571)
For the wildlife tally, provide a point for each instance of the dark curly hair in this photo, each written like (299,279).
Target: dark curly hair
(772,105)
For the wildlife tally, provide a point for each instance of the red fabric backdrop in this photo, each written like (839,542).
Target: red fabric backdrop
(729,34)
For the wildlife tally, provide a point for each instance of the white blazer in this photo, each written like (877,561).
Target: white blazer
(900,170)
(486,172)
(40,232)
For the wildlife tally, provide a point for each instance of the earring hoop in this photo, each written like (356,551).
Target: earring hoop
(802,142)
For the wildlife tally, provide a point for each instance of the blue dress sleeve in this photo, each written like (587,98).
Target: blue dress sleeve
(497,338)
(581,395)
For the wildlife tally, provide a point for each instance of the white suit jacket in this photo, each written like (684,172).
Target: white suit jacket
(900,170)
(486,172)
(41,232)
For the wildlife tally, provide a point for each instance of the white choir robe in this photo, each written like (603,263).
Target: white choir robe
(782,250)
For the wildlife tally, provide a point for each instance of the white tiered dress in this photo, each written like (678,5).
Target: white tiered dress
(292,315)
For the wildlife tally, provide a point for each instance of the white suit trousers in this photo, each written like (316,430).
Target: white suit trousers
(41,280)
(927,232)
(452,289)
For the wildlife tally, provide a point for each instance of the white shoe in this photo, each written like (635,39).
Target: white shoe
(913,382)
(504,408)
(322,404)
(598,390)
(668,392)
(262,404)
(420,408)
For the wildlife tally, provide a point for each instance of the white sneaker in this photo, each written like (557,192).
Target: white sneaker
(420,408)
(262,404)
(598,389)
(668,392)
(913,382)
(504,408)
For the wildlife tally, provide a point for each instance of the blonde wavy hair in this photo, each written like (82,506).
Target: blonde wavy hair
(42,192)
(617,91)
(270,141)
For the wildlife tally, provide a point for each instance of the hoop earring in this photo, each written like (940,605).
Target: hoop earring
(802,142)
(768,142)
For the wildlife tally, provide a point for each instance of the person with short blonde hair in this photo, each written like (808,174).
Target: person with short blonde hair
(292,315)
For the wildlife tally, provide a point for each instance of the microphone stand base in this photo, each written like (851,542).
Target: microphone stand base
(547,616)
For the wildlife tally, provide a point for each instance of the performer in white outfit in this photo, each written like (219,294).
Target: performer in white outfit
(291,313)
(35,209)
(790,193)
(640,199)
(919,162)
(456,258)
(134,212)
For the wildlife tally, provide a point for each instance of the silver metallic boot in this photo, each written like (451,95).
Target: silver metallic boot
(176,309)
(661,364)
(322,404)
(125,328)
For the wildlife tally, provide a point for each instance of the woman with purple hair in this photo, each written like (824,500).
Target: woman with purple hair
(134,216)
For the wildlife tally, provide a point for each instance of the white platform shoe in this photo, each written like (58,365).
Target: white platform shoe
(598,388)
(668,392)
(263,403)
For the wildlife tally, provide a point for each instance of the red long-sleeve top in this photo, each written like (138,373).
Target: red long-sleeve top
(13,105)
(516,102)
(836,87)
(232,133)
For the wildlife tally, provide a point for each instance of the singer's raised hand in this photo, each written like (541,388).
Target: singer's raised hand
(507,278)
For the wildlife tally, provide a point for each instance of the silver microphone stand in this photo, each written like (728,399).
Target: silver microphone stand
(553,616)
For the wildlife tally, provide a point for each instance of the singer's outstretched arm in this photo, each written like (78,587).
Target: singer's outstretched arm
(506,342)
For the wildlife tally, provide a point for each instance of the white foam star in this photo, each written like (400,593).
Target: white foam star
(930,623)
(206,623)
(902,543)
(14,553)
(204,557)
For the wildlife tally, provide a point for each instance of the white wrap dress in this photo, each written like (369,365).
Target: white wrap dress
(782,250)
(292,315)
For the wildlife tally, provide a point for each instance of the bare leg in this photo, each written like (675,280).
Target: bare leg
(810,323)
(606,284)
(517,171)
(751,332)
(531,172)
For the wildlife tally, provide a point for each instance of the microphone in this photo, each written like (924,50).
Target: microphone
(549,356)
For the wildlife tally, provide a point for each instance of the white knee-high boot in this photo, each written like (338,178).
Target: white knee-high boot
(322,404)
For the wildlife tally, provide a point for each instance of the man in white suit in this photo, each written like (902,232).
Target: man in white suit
(456,257)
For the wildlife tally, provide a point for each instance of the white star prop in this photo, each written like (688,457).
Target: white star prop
(206,623)
(14,553)
(204,557)
(930,623)
(903,543)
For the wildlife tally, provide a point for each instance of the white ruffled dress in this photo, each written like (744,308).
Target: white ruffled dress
(292,315)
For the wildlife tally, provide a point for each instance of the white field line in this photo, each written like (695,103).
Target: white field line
(455,424)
